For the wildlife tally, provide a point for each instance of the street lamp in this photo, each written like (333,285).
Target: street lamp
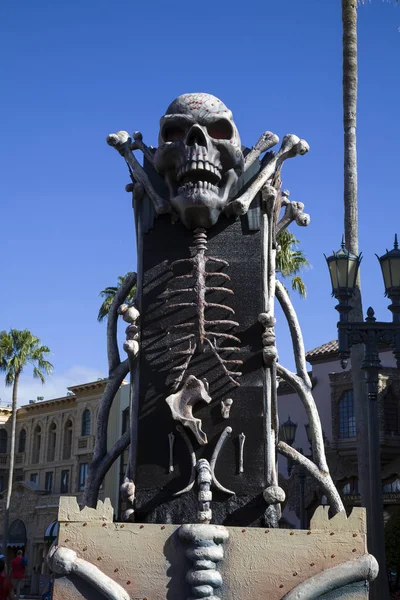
(390,265)
(343,269)
(287,433)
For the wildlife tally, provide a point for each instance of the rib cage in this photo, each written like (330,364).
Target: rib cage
(201,331)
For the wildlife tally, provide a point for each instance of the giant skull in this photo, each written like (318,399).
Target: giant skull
(199,153)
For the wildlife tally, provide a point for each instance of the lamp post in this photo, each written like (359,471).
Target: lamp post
(287,433)
(343,269)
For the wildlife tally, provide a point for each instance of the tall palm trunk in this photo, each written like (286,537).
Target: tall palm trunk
(379,590)
(12,458)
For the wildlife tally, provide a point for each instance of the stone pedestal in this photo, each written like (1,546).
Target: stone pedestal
(158,562)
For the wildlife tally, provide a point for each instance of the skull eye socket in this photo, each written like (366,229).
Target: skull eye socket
(220,130)
(173,133)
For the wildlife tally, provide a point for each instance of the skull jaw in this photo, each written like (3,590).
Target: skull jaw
(196,210)
(199,207)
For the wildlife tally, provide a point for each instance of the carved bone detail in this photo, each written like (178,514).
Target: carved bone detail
(181,405)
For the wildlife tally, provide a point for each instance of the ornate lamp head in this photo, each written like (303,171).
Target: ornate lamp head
(390,265)
(343,269)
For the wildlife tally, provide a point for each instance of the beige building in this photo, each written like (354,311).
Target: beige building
(333,394)
(54,446)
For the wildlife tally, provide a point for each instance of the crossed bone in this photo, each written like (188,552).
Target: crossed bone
(122,142)
(291,146)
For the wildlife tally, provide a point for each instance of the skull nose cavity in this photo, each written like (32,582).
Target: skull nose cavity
(196,136)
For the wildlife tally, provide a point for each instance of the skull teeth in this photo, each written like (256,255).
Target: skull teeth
(199,165)
(190,187)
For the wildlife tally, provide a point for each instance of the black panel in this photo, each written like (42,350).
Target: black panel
(230,240)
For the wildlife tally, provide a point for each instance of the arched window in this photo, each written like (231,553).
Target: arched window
(3,441)
(347,418)
(22,440)
(17,533)
(391,412)
(51,446)
(37,441)
(67,447)
(86,422)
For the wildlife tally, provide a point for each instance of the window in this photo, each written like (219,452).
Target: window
(86,422)
(347,419)
(391,412)
(351,487)
(51,447)
(1,483)
(34,478)
(22,441)
(83,472)
(67,448)
(49,481)
(391,488)
(37,440)
(64,489)
(3,441)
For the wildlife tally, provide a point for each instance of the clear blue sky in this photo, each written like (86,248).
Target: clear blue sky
(73,71)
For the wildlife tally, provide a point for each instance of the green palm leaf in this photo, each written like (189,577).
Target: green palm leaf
(109,294)
(290,261)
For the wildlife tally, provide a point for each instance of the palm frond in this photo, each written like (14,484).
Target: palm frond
(18,348)
(298,285)
(109,294)
(37,373)
(290,261)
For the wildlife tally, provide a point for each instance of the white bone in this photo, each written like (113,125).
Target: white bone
(138,144)
(226,407)
(171,440)
(264,143)
(64,561)
(181,405)
(122,142)
(291,146)
(242,439)
(293,212)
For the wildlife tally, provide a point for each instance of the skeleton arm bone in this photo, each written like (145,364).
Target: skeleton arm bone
(291,146)
(295,332)
(319,470)
(64,561)
(304,391)
(123,144)
(324,479)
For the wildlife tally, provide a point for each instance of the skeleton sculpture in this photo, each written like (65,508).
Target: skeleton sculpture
(201,160)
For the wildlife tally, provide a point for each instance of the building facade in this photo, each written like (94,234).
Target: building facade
(333,394)
(54,446)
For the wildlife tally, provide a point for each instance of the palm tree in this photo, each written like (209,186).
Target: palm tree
(109,294)
(290,261)
(18,349)
(379,588)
